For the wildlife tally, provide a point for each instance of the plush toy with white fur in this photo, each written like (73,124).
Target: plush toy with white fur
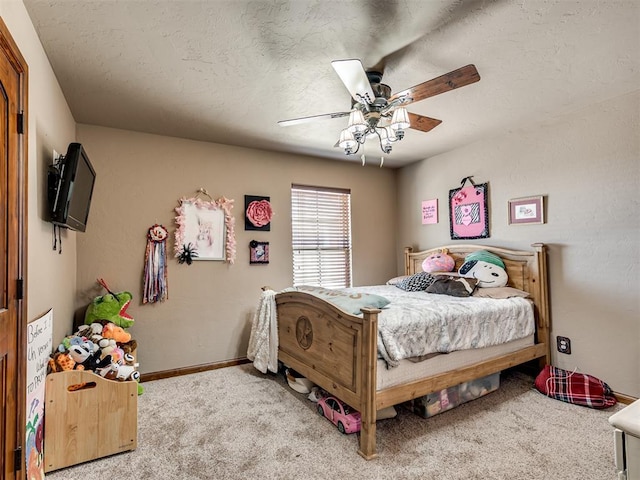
(486,267)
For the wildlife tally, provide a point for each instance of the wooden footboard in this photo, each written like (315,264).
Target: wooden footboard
(338,351)
(334,350)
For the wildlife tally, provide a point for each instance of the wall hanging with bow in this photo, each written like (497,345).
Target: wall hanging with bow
(469,210)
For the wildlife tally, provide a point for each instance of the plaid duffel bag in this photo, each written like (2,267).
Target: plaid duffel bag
(573,387)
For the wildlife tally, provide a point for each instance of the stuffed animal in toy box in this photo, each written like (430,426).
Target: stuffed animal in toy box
(111,307)
(111,330)
(127,370)
(60,362)
(89,358)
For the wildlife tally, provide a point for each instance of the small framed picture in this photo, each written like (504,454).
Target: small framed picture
(258,252)
(257,213)
(429,211)
(526,210)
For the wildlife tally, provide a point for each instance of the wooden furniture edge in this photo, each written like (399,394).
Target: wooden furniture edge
(418,388)
(624,399)
(176,372)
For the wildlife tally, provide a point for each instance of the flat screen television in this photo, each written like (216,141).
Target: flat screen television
(71,183)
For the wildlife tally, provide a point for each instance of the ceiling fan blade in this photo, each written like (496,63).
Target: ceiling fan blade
(389,47)
(313,118)
(422,123)
(444,83)
(355,79)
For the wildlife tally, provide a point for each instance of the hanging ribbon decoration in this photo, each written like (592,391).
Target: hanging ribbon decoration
(155,266)
(467,179)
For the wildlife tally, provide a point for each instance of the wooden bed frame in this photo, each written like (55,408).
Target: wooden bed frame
(338,351)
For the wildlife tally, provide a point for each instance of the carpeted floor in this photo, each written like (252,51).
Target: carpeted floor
(236,423)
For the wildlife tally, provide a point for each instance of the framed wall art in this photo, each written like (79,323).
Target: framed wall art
(526,210)
(205,230)
(469,211)
(257,213)
(429,211)
(258,253)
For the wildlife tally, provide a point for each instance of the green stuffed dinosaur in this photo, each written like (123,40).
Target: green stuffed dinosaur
(111,307)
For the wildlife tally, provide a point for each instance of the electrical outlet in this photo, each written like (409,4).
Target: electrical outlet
(564,345)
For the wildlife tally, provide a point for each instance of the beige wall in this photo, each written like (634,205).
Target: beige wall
(588,166)
(51,277)
(208,315)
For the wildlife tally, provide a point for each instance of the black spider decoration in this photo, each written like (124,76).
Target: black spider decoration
(187,254)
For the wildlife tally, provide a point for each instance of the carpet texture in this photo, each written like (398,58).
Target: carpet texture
(236,423)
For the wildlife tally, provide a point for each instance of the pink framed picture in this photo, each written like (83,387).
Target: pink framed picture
(430,211)
(468,212)
(526,210)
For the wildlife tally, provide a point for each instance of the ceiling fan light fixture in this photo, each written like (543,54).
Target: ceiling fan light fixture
(400,119)
(348,142)
(391,134)
(385,139)
(357,123)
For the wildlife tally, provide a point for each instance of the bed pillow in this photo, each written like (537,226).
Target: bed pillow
(500,292)
(439,262)
(453,285)
(487,267)
(396,280)
(417,282)
(350,302)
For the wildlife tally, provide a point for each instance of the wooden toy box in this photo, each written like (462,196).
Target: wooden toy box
(87,417)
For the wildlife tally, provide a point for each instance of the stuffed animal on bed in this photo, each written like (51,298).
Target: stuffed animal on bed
(438,262)
(486,267)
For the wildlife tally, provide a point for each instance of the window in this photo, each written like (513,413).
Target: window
(321,236)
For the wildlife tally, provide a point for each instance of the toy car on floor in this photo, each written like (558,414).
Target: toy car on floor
(340,414)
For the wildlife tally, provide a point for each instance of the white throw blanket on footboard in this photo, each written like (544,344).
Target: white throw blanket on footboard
(263,342)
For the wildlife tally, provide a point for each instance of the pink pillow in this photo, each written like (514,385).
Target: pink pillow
(438,262)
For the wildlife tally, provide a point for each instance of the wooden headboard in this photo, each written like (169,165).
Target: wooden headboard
(527,270)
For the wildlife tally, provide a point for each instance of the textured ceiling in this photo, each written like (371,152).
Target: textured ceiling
(227,71)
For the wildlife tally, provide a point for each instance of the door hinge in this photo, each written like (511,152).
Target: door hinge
(20,289)
(17,459)
(20,123)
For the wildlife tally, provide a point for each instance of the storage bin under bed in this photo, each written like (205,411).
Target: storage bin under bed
(448,398)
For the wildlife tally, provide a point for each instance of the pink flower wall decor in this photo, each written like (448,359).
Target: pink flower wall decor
(258,213)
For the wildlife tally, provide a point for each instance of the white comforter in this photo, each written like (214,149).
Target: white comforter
(419,323)
(414,324)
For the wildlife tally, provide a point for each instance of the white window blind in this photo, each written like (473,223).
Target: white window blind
(321,236)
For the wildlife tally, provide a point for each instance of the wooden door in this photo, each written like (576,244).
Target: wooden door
(13,84)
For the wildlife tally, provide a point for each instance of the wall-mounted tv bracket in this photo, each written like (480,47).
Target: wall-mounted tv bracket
(53,178)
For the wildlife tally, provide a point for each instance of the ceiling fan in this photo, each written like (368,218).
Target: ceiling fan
(375,111)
